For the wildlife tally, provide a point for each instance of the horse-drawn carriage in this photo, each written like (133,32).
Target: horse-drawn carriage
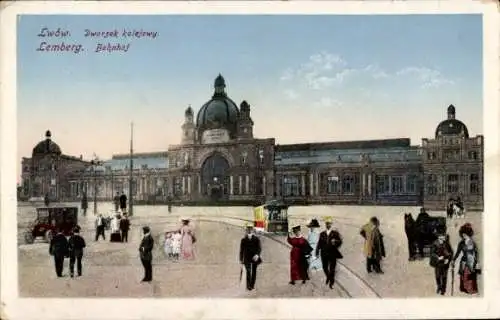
(424,231)
(49,220)
(271,217)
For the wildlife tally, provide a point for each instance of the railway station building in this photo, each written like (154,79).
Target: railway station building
(219,161)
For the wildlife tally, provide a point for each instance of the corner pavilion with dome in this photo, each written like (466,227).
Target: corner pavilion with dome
(219,161)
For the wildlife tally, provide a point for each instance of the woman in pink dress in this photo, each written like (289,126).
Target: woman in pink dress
(187,241)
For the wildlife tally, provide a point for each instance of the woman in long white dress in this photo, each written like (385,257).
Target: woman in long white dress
(115,229)
(313,238)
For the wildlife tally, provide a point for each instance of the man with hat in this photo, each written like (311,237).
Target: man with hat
(250,250)
(146,254)
(59,249)
(76,245)
(441,256)
(328,246)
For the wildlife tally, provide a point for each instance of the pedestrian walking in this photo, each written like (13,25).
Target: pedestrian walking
(440,259)
(124,227)
(188,240)
(374,248)
(100,225)
(115,235)
(59,249)
(146,254)
(76,246)
(411,236)
(46,200)
(123,203)
(84,204)
(328,247)
(313,238)
(468,268)
(116,201)
(299,256)
(250,250)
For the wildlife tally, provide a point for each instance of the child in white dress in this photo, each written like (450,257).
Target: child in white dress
(176,244)
(167,246)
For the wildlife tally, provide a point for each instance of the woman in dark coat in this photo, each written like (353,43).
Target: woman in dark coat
(469,263)
(299,255)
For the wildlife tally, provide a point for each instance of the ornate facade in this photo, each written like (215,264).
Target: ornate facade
(219,161)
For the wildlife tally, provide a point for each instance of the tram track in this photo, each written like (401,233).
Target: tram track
(366,289)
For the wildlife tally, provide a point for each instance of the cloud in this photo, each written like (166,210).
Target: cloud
(291,94)
(325,70)
(429,78)
(329,102)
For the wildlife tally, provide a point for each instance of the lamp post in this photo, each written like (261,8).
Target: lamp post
(94,163)
(131,173)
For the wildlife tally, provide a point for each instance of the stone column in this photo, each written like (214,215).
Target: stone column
(183,185)
(189,185)
(264,191)
(199,184)
(247,185)
(311,184)
(370,184)
(363,184)
(303,184)
(317,183)
(240,184)
(231,185)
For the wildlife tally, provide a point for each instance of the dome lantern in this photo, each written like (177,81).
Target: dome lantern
(451,112)
(219,86)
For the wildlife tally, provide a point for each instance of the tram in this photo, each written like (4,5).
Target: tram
(271,217)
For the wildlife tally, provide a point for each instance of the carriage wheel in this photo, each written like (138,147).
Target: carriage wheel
(28,237)
(49,234)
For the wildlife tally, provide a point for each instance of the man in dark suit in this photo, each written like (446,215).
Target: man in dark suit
(116,201)
(250,250)
(328,246)
(59,249)
(76,245)
(124,227)
(123,203)
(146,254)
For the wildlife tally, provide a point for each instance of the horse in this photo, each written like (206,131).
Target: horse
(411,235)
(458,212)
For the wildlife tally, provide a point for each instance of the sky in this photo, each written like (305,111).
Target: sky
(307,78)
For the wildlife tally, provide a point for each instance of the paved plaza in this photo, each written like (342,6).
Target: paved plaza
(114,269)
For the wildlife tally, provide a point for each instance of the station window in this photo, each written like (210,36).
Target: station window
(348,184)
(397,185)
(473,155)
(332,185)
(177,186)
(382,184)
(431,155)
(290,186)
(411,183)
(452,183)
(474,183)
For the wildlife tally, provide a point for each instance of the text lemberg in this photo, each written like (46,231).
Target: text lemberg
(108,47)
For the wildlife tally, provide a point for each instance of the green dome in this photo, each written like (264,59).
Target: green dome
(47,146)
(220,112)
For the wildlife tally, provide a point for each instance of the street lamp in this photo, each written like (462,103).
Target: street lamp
(95,163)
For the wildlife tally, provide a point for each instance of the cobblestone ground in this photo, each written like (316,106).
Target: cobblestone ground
(114,270)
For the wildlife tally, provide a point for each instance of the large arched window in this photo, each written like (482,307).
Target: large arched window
(215,176)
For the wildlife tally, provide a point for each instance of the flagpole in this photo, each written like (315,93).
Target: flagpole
(130,182)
